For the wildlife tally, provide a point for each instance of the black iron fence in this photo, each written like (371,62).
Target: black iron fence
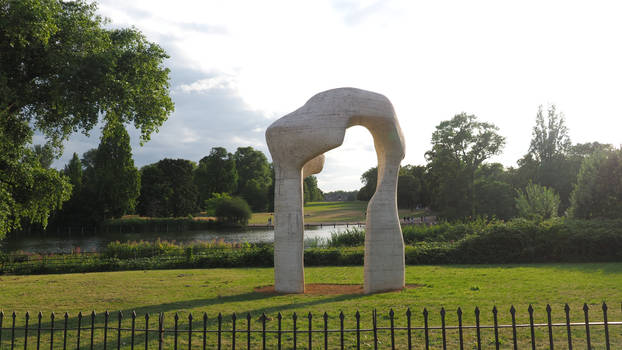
(118,331)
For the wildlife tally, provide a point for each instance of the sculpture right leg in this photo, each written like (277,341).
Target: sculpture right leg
(288,231)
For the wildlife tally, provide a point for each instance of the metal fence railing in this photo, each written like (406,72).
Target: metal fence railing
(305,332)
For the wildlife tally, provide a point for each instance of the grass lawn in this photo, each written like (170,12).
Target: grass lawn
(231,290)
(329,212)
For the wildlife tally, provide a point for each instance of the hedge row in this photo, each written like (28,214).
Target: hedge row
(519,241)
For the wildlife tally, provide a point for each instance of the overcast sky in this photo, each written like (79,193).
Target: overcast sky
(236,66)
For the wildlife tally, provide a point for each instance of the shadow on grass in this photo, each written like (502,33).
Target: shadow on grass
(167,309)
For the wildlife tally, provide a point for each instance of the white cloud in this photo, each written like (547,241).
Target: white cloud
(236,63)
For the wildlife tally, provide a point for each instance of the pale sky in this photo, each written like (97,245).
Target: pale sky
(236,66)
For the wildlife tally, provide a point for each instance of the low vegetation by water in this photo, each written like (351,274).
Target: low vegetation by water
(476,242)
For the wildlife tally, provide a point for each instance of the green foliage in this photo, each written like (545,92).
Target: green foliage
(113,181)
(598,191)
(254,177)
(216,173)
(408,191)
(168,189)
(213,203)
(537,202)
(310,190)
(60,70)
(369,180)
(459,147)
(351,237)
(233,211)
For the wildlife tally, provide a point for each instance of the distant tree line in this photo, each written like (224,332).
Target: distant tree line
(554,178)
(106,184)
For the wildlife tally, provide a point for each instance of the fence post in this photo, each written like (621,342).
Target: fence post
(358,330)
(294,317)
(533,335)
(147,331)
(374,320)
(52,331)
(189,330)
(425,328)
(443,332)
(176,319)
(514,340)
(133,330)
(341,335)
(233,319)
(39,316)
(550,326)
(479,335)
(460,335)
(310,321)
(586,310)
(106,316)
(65,331)
(279,318)
(408,314)
(26,331)
(248,331)
(79,329)
(92,328)
(567,310)
(160,330)
(604,324)
(496,326)
(219,331)
(13,316)
(204,330)
(119,320)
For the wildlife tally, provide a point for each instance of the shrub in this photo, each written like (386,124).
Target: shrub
(537,202)
(233,211)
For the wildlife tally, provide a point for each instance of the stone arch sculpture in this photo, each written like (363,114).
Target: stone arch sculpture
(297,143)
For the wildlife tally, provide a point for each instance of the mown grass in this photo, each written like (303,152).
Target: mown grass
(332,212)
(232,290)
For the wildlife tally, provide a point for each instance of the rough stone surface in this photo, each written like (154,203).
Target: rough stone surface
(297,143)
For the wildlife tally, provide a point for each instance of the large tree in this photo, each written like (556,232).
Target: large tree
(115,179)
(598,192)
(168,189)
(459,147)
(216,173)
(254,177)
(60,71)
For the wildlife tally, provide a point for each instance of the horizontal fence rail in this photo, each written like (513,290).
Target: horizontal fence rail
(116,331)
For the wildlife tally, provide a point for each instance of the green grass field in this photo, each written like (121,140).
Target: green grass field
(231,290)
(331,212)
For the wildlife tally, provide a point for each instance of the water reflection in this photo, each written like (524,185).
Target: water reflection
(93,243)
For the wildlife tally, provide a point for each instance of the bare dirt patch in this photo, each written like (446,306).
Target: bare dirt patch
(329,289)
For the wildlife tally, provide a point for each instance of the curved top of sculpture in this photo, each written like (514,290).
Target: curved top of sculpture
(319,125)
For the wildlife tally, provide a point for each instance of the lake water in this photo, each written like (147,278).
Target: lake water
(94,243)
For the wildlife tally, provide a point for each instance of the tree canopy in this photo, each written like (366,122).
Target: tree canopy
(61,70)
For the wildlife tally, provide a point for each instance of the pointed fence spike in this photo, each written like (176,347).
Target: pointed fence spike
(494,309)
(604,306)
(309,316)
(442,311)
(205,316)
(548,308)
(190,316)
(459,311)
(566,308)
(234,316)
(585,307)
(325,315)
(408,313)
(341,315)
(391,313)
(530,308)
(512,309)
